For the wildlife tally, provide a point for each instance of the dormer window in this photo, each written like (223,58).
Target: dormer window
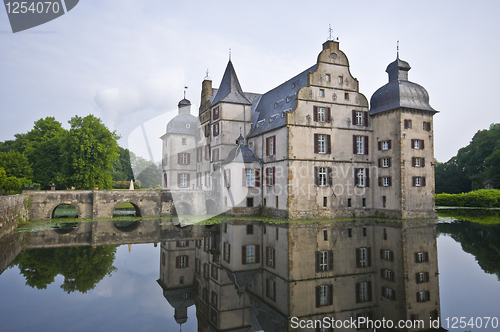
(273,118)
(260,123)
(276,105)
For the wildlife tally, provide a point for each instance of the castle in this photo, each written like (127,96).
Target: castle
(311,147)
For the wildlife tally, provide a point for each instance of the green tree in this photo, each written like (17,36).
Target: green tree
(43,150)
(148,173)
(450,178)
(15,164)
(82,267)
(89,151)
(122,168)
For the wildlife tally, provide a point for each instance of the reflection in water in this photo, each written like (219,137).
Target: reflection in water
(252,275)
(258,276)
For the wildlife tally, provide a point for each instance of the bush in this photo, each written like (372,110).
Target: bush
(126,184)
(486,198)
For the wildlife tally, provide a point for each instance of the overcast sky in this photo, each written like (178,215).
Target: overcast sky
(127,61)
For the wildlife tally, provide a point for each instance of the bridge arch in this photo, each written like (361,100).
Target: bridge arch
(138,212)
(54,207)
(126,225)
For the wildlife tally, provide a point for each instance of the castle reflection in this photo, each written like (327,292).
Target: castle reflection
(252,276)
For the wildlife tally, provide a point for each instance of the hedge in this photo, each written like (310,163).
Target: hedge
(485,198)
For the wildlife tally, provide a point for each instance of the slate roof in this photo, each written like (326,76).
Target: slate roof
(229,89)
(271,105)
(241,154)
(182,124)
(400,92)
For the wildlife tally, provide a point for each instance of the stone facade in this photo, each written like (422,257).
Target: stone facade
(319,148)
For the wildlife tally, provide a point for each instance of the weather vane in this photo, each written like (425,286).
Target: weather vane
(207,77)
(185,88)
(330,30)
(397,49)
(229,54)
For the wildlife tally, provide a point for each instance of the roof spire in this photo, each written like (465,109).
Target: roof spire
(397,48)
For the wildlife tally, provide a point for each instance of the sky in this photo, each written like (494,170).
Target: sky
(128,61)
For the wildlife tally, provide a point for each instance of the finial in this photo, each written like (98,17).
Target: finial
(185,88)
(207,77)
(398,50)
(330,31)
(240,131)
(229,54)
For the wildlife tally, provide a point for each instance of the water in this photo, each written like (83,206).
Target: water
(152,275)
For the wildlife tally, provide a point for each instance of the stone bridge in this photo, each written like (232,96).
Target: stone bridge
(100,203)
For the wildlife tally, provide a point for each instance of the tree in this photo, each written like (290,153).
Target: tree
(450,178)
(147,172)
(122,169)
(82,267)
(15,164)
(89,151)
(43,150)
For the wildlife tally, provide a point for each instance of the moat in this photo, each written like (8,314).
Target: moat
(245,275)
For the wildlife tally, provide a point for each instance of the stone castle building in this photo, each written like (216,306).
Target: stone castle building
(311,147)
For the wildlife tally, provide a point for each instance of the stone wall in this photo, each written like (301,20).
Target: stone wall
(12,210)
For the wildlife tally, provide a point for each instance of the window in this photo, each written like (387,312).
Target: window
(324,295)
(321,92)
(322,114)
(385,181)
(199,154)
(322,144)
(417,144)
(407,124)
(360,144)
(349,232)
(271,146)
(182,243)
(421,277)
(183,158)
(364,203)
(423,296)
(346,96)
(328,78)
(277,233)
(325,201)
(359,118)
(213,300)
(214,272)
(427,126)
(213,316)
(363,291)
(183,180)
(387,274)
(182,261)
(250,254)
(361,177)
(417,162)
(421,257)
(364,231)
(384,202)
(249,201)
(215,155)
(270,257)
(276,200)
(384,145)
(183,141)
(325,235)
(387,255)
(363,257)
(324,261)
(251,177)
(341,79)
(389,293)
(368,317)
(349,205)
(270,176)
(418,181)
(215,113)
(215,129)
(386,162)
(226,252)
(249,229)
(271,289)
(322,176)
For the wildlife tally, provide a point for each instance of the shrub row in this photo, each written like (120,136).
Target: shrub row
(486,198)
(126,184)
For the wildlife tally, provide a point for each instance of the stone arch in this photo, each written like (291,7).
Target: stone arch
(138,212)
(126,225)
(183,208)
(55,206)
(65,228)
(211,206)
